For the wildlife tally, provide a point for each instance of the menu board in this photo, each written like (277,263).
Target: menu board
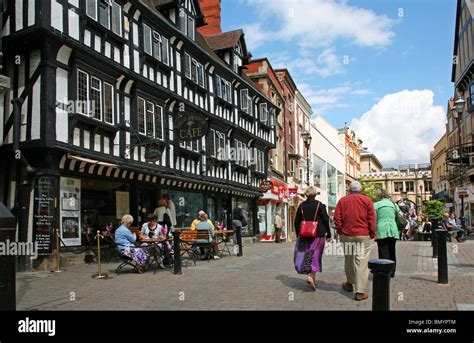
(122,204)
(44,205)
(70,194)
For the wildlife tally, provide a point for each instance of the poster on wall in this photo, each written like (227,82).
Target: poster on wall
(70,201)
(122,200)
(44,205)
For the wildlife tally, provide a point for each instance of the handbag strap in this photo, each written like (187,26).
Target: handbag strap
(315,214)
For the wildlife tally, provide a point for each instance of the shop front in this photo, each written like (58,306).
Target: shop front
(274,201)
(94,197)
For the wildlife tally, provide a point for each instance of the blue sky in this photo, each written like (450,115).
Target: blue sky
(353,60)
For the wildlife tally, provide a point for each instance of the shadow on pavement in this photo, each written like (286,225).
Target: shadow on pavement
(423,279)
(299,283)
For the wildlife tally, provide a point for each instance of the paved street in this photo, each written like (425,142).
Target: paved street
(263,279)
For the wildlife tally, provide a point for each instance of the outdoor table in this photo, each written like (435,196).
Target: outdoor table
(219,234)
(155,255)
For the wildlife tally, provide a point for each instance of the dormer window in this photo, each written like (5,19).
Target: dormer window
(107,12)
(187,24)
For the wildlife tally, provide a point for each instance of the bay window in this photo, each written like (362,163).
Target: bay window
(150,119)
(95,98)
(107,12)
(194,70)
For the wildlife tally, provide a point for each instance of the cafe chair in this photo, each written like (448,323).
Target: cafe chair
(126,261)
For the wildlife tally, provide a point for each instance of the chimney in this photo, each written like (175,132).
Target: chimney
(211,10)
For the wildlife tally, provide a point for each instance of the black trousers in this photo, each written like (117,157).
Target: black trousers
(387,250)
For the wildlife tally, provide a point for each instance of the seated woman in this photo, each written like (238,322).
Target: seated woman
(151,228)
(205,224)
(125,240)
(198,220)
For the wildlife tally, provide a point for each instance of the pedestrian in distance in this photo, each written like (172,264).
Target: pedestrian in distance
(238,221)
(278,226)
(311,210)
(355,222)
(387,230)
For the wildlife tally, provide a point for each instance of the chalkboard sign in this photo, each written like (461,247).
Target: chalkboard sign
(44,204)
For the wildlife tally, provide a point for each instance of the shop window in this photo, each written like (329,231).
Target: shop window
(187,206)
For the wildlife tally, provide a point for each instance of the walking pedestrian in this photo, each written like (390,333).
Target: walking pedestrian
(311,210)
(355,223)
(278,226)
(238,221)
(387,230)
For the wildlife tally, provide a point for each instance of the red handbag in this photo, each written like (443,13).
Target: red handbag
(309,229)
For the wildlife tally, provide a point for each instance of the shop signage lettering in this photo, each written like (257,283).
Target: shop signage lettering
(191,127)
(266,185)
(43,213)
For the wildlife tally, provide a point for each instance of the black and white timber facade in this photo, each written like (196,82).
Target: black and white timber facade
(99,82)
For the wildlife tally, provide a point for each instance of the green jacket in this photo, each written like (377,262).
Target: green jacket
(386,225)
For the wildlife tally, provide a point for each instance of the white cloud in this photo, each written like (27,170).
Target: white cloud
(405,123)
(322,100)
(319,23)
(325,64)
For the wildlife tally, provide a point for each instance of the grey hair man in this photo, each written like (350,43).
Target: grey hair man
(355,219)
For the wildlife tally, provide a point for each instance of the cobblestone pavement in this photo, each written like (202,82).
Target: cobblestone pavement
(263,279)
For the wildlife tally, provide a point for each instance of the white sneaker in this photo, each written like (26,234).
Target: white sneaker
(216,257)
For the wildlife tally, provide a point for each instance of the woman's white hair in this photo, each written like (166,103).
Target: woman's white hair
(127,219)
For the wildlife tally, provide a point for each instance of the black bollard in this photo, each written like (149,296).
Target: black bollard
(434,239)
(177,253)
(442,256)
(381,270)
(7,262)
(239,241)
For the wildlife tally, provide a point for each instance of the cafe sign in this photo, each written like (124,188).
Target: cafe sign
(191,127)
(266,185)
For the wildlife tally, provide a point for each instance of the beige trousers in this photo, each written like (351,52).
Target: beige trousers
(357,252)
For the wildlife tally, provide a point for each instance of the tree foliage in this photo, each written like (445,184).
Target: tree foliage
(433,208)
(370,188)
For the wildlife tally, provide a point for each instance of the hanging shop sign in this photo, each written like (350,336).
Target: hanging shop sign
(153,153)
(266,185)
(191,127)
(292,193)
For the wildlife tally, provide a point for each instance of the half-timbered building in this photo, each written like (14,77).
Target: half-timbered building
(114,103)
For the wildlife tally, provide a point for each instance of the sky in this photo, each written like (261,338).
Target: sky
(381,66)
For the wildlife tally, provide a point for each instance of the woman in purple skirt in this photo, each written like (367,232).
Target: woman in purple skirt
(307,212)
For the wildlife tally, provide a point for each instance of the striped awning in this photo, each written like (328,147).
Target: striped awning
(81,165)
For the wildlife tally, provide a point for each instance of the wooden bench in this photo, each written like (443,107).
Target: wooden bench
(192,240)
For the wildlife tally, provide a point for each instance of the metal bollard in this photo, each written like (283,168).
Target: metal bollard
(434,239)
(239,241)
(177,253)
(58,253)
(381,270)
(442,256)
(99,275)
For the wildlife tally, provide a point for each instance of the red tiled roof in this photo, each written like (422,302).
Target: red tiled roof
(224,40)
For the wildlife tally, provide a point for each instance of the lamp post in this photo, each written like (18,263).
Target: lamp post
(458,114)
(306,135)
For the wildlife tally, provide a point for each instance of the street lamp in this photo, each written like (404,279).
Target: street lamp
(458,110)
(306,135)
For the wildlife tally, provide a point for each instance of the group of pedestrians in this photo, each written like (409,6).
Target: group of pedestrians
(358,221)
